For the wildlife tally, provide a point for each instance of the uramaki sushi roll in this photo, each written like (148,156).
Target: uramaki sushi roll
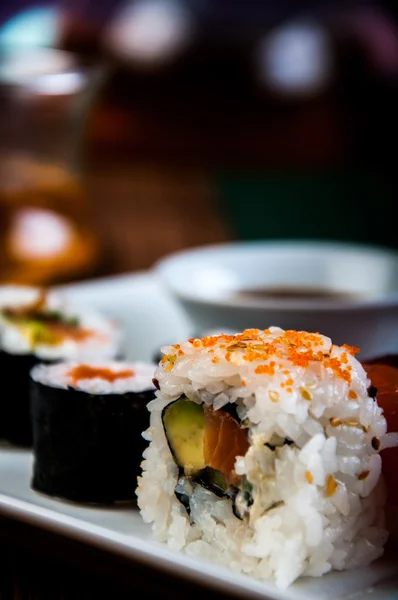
(38,326)
(264,455)
(87,424)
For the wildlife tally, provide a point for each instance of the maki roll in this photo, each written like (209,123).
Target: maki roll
(87,424)
(264,455)
(39,326)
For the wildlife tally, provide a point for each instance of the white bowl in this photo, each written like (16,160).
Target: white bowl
(207,281)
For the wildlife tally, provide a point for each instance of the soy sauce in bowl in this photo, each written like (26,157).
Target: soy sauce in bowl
(295,293)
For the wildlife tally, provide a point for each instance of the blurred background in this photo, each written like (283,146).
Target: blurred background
(130,129)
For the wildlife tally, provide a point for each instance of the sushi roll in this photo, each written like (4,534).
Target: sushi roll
(38,326)
(87,424)
(264,455)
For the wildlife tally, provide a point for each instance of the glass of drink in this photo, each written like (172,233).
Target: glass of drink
(45,99)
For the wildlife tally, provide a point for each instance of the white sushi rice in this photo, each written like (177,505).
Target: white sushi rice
(59,375)
(318,503)
(18,295)
(105,341)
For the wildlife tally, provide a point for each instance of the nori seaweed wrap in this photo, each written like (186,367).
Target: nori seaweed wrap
(15,423)
(87,425)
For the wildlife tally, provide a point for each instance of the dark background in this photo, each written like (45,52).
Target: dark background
(254,163)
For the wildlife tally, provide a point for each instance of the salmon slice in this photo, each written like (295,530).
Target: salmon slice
(224,440)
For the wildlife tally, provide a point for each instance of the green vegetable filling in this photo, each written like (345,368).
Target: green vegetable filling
(40,325)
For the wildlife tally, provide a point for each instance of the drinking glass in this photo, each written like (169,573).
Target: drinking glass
(46,98)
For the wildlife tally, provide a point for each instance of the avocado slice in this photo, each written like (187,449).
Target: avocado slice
(184,426)
(38,333)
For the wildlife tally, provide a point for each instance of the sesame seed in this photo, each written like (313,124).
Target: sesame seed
(274,396)
(331,486)
(306,394)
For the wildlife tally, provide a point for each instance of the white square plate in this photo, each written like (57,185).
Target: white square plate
(151,318)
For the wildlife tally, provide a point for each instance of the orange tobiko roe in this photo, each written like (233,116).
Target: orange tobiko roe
(87,372)
(224,441)
(385,379)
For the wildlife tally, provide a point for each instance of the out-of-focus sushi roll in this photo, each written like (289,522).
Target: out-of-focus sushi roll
(264,455)
(87,424)
(37,326)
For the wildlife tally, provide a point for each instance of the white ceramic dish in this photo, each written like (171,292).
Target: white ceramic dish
(206,280)
(150,317)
